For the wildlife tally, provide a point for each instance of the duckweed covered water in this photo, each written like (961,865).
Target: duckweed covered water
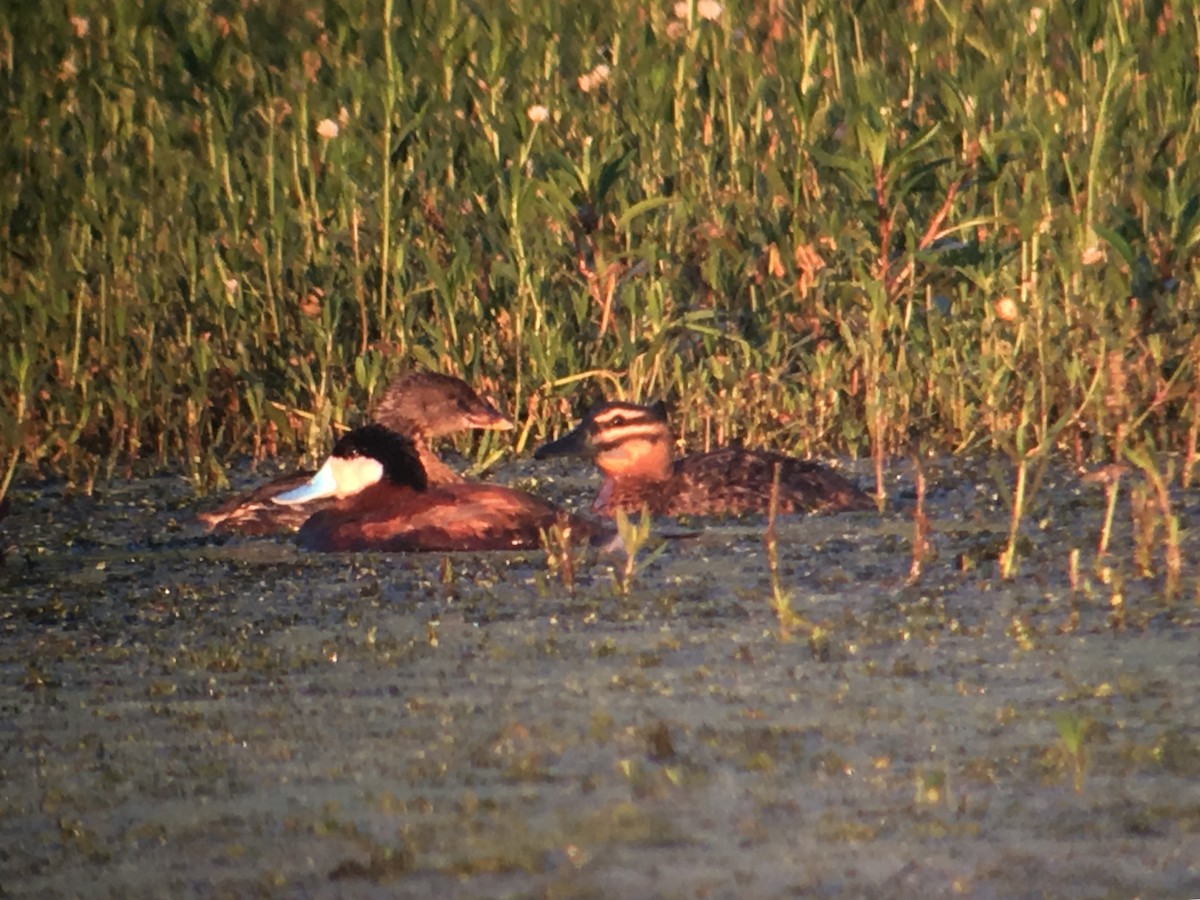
(192,716)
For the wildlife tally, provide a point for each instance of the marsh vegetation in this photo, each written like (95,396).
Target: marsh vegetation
(955,227)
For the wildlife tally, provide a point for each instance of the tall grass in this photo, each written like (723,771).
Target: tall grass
(824,227)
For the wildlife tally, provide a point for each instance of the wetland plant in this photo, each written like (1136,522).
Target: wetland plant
(633,535)
(781,598)
(1116,597)
(563,553)
(1073,732)
(1110,477)
(921,546)
(1152,512)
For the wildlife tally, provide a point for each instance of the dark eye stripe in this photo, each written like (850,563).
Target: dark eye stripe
(629,436)
(620,420)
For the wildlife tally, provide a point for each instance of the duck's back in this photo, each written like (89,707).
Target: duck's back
(445,518)
(735,481)
(255,512)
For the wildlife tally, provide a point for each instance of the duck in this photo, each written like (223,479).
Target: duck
(424,406)
(631,445)
(421,405)
(382,500)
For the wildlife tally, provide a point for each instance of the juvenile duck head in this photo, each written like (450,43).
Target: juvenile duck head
(431,405)
(625,440)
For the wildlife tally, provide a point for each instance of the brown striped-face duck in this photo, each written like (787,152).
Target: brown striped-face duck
(632,446)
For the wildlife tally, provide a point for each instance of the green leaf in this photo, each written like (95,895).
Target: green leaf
(648,205)
(1117,242)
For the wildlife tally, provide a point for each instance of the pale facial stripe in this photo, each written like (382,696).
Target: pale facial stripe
(614,438)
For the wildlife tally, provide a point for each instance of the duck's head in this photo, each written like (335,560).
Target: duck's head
(621,438)
(361,458)
(432,405)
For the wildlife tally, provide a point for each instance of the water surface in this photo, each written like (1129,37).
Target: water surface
(193,716)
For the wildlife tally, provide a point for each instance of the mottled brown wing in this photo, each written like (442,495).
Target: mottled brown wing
(808,486)
(734,481)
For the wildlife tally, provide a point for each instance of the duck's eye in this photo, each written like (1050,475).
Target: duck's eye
(616,421)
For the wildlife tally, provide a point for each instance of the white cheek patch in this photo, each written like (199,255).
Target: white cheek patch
(337,478)
(323,484)
(354,475)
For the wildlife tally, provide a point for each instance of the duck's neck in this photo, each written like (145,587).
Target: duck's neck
(436,471)
(641,458)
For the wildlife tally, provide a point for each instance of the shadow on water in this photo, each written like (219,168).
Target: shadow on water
(187,715)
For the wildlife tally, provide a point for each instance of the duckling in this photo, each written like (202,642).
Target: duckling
(421,405)
(383,501)
(631,445)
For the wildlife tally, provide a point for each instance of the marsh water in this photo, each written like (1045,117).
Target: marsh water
(186,715)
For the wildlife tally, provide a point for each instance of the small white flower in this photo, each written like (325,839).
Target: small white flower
(709,9)
(1006,309)
(328,129)
(589,81)
(537,114)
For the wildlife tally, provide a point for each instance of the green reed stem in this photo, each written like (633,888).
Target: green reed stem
(385,197)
